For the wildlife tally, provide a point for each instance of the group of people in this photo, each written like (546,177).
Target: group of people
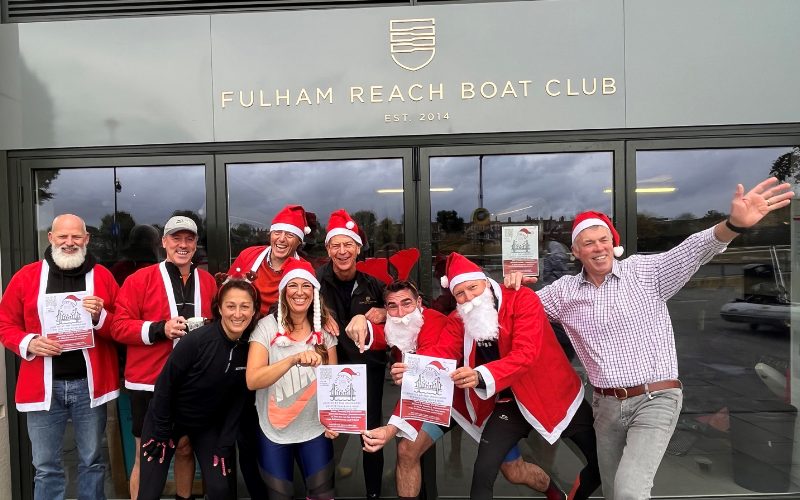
(222,363)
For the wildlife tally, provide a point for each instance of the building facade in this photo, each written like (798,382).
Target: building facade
(437,125)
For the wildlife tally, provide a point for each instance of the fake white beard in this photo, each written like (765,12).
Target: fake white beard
(480,317)
(402,332)
(68,261)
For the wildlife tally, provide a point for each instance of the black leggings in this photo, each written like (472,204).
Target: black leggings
(153,474)
(506,426)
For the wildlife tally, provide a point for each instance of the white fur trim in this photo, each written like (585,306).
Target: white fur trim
(135,386)
(488,379)
(460,278)
(443,281)
(282,226)
(404,429)
(146,332)
(587,223)
(105,398)
(552,437)
(102,320)
(298,273)
(256,263)
(23,346)
(370,337)
(618,251)
(346,232)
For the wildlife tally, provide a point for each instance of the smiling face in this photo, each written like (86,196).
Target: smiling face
(299,295)
(343,251)
(68,239)
(180,247)
(468,290)
(594,247)
(236,310)
(402,302)
(283,244)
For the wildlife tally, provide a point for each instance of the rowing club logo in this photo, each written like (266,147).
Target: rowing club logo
(412,42)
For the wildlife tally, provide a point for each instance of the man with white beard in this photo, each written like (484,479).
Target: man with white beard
(57,385)
(410,328)
(515,376)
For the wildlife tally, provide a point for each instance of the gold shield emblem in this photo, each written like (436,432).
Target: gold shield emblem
(412,42)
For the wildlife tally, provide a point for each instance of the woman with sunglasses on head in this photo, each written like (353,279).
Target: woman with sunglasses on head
(200,394)
(284,350)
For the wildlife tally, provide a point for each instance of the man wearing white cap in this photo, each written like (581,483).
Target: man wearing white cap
(350,293)
(615,313)
(153,307)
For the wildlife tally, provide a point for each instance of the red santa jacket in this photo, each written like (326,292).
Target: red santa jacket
(250,259)
(532,363)
(20,321)
(146,297)
(433,326)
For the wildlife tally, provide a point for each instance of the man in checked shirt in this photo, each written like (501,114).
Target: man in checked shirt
(615,313)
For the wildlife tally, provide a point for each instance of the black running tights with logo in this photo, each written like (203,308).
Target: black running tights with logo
(506,426)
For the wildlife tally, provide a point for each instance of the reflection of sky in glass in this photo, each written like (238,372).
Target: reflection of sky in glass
(704,179)
(521,186)
(149,194)
(256,191)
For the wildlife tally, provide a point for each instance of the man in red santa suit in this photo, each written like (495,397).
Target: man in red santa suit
(411,328)
(153,307)
(57,384)
(515,375)
(286,233)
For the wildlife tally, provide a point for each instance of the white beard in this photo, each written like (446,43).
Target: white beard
(68,261)
(480,317)
(402,332)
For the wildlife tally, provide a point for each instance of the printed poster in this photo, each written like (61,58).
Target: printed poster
(521,250)
(427,390)
(66,321)
(342,397)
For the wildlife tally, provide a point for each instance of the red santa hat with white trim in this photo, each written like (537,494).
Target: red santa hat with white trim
(460,269)
(291,218)
(348,371)
(589,219)
(299,268)
(341,223)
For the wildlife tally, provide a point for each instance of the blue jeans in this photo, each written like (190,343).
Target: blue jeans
(70,401)
(632,436)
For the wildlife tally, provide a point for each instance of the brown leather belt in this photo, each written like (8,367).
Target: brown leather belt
(638,390)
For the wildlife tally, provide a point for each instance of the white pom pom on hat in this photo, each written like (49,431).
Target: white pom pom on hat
(589,219)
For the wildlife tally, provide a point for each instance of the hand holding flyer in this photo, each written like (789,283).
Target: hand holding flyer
(427,390)
(67,321)
(342,397)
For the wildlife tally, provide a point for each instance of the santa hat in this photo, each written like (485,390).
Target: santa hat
(348,371)
(72,297)
(341,223)
(298,268)
(525,230)
(460,269)
(436,365)
(589,219)
(291,218)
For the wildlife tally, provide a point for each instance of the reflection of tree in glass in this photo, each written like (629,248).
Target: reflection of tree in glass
(449,221)
(366,221)
(43,180)
(787,166)
(387,238)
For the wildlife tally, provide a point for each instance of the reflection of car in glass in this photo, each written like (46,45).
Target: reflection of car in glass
(765,299)
(755,314)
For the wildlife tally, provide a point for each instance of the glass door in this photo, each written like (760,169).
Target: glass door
(125,203)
